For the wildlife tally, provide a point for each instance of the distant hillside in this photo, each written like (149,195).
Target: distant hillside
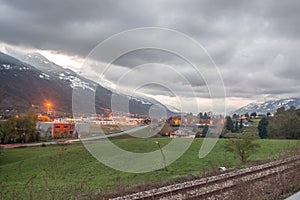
(34,80)
(269,106)
(66,78)
(23,85)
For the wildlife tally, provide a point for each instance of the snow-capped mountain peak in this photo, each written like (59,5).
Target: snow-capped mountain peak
(52,70)
(270,106)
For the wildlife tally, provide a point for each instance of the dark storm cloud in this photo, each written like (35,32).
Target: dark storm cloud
(76,27)
(254,43)
(68,26)
(284,18)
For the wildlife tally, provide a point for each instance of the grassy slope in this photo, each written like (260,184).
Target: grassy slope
(65,169)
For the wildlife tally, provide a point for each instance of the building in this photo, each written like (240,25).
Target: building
(56,129)
(104,122)
(182,133)
(203,122)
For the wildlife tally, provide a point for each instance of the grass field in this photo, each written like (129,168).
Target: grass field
(62,172)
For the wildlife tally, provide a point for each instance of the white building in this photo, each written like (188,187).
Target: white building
(182,133)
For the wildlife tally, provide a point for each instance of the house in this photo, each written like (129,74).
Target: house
(56,129)
(203,122)
(245,122)
(182,133)
(175,121)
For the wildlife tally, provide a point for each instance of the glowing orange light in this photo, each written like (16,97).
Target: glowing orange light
(48,105)
(176,121)
(110,116)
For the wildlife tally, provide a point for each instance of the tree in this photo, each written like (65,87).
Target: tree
(2,132)
(236,128)
(280,110)
(247,115)
(205,130)
(253,114)
(229,124)
(292,124)
(200,115)
(166,129)
(262,128)
(10,131)
(241,124)
(242,147)
(285,124)
(235,116)
(44,119)
(30,126)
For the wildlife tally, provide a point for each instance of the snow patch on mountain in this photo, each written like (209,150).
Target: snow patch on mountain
(4,66)
(44,76)
(270,106)
(76,82)
(51,70)
(141,101)
(23,68)
(10,67)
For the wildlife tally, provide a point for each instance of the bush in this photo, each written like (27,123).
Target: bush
(241,147)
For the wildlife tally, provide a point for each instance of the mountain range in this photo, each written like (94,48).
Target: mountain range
(270,106)
(31,79)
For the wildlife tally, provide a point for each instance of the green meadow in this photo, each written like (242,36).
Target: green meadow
(70,171)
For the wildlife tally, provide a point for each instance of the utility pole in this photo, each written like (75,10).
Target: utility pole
(163,156)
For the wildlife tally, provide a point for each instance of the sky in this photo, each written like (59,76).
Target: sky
(254,44)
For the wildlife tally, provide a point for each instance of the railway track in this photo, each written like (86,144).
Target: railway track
(207,187)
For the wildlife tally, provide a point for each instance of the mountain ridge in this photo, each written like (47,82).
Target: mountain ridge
(269,106)
(56,85)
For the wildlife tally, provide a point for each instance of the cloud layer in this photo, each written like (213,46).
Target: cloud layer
(255,44)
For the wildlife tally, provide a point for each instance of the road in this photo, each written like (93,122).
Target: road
(61,141)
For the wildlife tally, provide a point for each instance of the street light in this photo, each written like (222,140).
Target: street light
(163,156)
(48,105)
